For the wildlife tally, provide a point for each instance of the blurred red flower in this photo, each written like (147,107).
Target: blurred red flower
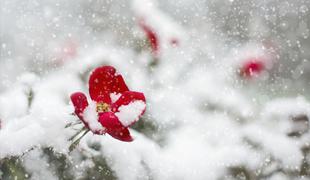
(151,36)
(252,67)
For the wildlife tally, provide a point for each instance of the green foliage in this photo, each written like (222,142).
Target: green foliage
(12,168)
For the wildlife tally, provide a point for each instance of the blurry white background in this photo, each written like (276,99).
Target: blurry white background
(226,82)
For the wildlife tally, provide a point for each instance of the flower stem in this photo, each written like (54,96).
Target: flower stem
(77,133)
(72,124)
(77,141)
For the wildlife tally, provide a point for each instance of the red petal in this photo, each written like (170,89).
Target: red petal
(79,101)
(114,127)
(126,98)
(103,81)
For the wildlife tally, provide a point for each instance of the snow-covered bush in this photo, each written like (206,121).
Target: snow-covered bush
(226,86)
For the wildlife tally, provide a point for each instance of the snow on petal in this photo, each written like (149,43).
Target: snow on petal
(91,118)
(130,113)
(115,96)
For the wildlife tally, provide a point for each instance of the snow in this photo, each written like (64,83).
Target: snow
(44,120)
(91,118)
(38,165)
(292,155)
(128,114)
(280,111)
(115,96)
(202,120)
(13,103)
